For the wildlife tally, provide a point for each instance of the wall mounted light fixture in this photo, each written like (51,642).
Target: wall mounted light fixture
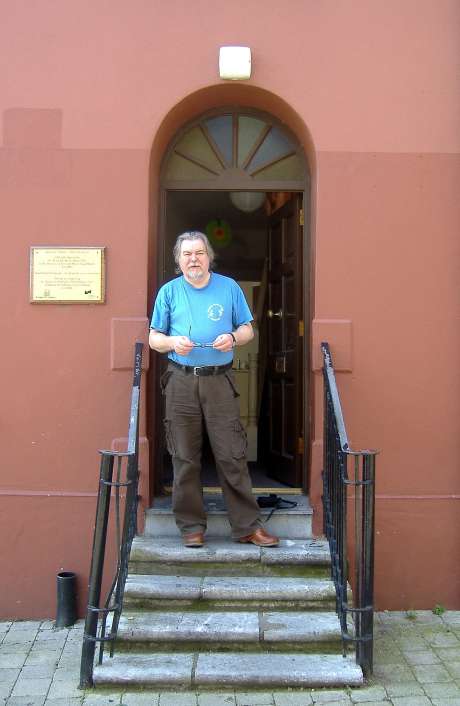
(235,63)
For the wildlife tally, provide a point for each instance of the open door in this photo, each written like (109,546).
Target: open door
(285,329)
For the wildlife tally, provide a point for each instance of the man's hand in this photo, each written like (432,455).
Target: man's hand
(163,344)
(223,343)
(181,344)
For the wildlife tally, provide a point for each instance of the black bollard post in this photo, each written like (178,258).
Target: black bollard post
(66,613)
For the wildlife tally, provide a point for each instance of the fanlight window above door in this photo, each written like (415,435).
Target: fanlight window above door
(234,149)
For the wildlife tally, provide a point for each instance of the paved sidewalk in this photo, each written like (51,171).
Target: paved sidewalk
(417,663)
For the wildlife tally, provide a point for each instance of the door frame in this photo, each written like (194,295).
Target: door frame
(235,183)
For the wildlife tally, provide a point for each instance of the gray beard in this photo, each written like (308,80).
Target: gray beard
(195,274)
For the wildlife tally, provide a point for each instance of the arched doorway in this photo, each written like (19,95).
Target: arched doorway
(240,176)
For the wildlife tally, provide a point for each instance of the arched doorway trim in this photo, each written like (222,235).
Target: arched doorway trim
(189,114)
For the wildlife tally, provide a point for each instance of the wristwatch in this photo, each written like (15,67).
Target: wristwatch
(234,339)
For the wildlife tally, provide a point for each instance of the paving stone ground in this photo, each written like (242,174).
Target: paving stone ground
(416,663)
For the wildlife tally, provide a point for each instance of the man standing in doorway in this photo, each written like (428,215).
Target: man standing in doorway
(198,319)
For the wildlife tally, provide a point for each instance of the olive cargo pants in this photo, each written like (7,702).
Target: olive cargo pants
(192,401)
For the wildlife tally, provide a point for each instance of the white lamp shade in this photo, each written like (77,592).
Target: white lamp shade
(247,201)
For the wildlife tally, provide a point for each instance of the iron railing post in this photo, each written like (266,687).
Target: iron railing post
(342,548)
(366,646)
(359,565)
(96,571)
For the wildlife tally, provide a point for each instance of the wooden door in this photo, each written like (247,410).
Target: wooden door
(285,328)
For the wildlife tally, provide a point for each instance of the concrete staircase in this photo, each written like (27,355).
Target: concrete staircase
(229,614)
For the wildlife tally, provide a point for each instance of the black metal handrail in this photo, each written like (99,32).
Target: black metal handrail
(126,477)
(351,562)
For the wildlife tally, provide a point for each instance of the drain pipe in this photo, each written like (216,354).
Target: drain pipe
(66,613)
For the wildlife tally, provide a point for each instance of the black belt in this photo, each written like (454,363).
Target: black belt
(202,369)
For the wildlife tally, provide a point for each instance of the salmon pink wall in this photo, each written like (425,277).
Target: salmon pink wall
(389,262)
(366,76)
(93,92)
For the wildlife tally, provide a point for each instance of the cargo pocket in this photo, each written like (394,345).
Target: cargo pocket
(164,379)
(232,384)
(169,437)
(239,441)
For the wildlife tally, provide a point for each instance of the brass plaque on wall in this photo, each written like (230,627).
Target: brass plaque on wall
(67,275)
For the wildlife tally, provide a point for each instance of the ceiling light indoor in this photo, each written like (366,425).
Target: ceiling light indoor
(247,201)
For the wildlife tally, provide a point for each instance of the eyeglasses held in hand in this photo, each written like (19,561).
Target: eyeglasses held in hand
(199,345)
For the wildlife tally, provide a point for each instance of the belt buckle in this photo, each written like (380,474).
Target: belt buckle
(197,367)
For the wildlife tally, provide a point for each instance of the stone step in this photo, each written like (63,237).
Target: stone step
(227,669)
(223,557)
(288,523)
(238,592)
(263,630)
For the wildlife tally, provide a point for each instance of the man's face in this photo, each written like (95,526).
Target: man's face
(194,260)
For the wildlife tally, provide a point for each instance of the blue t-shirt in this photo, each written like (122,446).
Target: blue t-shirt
(201,314)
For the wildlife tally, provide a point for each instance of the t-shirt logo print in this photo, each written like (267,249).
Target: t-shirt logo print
(215,312)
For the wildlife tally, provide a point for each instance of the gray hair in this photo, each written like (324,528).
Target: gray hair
(192,235)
